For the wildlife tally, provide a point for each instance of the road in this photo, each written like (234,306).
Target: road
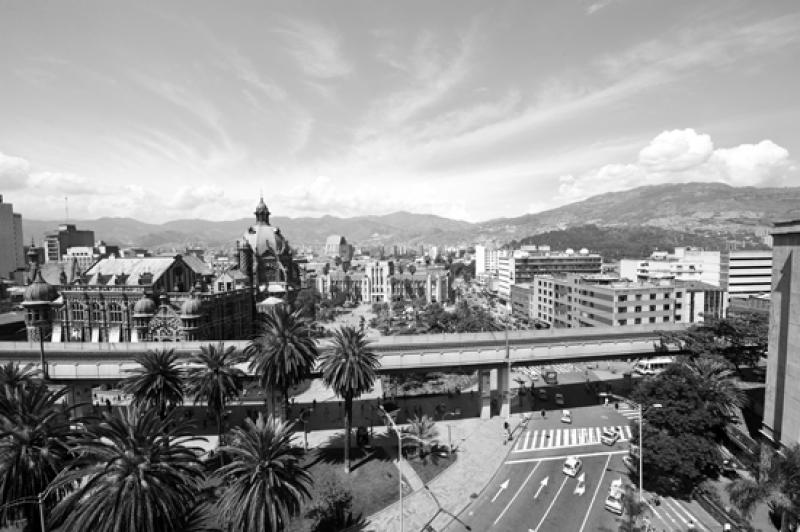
(531,493)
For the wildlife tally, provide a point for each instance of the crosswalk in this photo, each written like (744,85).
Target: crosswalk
(629,413)
(533,440)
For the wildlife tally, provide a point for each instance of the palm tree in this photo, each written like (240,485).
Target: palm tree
(214,378)
(780,486)
(265,482)
(132,471)
(13,376)
(283,352)
(349,369)
(423,431)
(718,386)
(158,383)
(34,446)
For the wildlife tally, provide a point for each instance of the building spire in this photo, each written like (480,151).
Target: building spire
(262,212)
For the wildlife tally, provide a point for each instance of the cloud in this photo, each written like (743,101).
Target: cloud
(61,182)
(316,49)
(13,172)
(680,156)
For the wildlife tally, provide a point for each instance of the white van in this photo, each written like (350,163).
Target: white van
(653,366)
(572,466)
(614,499)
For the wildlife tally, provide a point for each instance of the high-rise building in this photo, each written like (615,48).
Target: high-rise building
(746,273)
(67,236)
(521,266)
(781,422)
(12,253)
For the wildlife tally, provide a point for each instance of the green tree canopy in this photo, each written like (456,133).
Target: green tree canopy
(157,383)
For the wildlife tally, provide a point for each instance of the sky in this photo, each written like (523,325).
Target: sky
(466,109)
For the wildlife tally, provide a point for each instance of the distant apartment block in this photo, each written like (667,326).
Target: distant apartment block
(781,422)
(67,236)
(12,253)
(520,266)
(573,300)
(746,273)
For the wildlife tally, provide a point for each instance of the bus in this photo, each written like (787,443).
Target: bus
(652,366)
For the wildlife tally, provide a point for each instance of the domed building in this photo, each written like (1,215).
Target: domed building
(266,259)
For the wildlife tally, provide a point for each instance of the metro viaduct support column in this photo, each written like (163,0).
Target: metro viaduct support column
(485,392)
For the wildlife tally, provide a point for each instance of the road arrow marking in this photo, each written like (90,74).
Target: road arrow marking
(580,489)
(519,490)
(503,486)
(551,504)
(542,484)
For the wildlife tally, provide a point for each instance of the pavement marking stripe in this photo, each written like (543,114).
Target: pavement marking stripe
(542,439)
(551,504)
(550,438)
(681,509)
(516,494)
(666,502)
(628,430)
(560,457)
(597,489)
(573,434)
(558,438)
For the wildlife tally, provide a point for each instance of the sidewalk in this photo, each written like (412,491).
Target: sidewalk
(481,451)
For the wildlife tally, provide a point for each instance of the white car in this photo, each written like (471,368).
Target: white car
(566,416)
(615,497)
(610,436)
(560,399)
(572,466)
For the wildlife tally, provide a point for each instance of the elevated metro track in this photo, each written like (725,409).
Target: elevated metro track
(398,353)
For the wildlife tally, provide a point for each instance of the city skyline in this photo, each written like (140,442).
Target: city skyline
(463,110)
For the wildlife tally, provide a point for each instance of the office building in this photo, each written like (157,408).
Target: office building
(12,254)
(781,422)
(67,236)
(746,273)
(520,266)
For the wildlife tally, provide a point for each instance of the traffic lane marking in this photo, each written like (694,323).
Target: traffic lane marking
(522,486)
(596,490)
(598,516)
(562,457)
(568,512)
(550,507)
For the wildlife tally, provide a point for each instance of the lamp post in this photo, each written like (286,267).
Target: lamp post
(399,457)
(454,413)
(641,449)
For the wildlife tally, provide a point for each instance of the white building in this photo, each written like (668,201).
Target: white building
(747,273)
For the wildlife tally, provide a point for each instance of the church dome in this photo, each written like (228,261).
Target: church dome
(40,291)
(144,306)
(262,238)
(191,307)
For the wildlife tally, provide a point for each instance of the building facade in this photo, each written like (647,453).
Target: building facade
(521,266)
(746,273)
(379,282)
(67,236)
(12,254)
(781,422)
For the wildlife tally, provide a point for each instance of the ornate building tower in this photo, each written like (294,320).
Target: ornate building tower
(143,310)
(38,302)
(191,315)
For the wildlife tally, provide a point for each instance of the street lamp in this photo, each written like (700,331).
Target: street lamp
(454,413)
(399,457)
(641,448)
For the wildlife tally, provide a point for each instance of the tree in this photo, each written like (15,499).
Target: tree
(780,487)
(35,432)
(333,508)
(158,383)
(264,481)
(214,378)
(13,376)
(423,431)
(134,470)
(307,300)
(349,369)
(283,352)
(720,392)
(740,339)
(633,509)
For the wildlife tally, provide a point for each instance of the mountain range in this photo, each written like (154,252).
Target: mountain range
(704,208)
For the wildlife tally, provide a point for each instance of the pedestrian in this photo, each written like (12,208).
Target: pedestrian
(616,406)
(313,404)
(605,404)
(543,414)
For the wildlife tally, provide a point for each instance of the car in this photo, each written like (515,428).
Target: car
(551,377)
(572,466)
(609,436)
(542,394)
(616,496)
(560,399)
(566,416)
(629,462)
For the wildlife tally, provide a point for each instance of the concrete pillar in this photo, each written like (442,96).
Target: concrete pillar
(504,389)
(485,393)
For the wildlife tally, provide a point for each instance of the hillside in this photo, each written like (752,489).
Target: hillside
(709,210)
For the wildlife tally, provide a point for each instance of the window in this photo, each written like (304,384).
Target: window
(638,297)
(637,309)
(77,311)
(622,298)
(115,313)
(652,296)
(97,312)
(666,307)
(678,306)
(652,319)
(666,318)
(622,322)
(622,309)
(652,308)
(637,321)
(679,295)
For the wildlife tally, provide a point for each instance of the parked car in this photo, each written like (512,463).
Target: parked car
(572,466)
(551,377)
(610,436)
(560,399)
(542,394)
(566,416)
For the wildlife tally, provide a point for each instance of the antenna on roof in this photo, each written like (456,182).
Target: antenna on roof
(66,209)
